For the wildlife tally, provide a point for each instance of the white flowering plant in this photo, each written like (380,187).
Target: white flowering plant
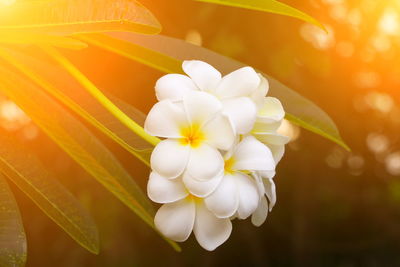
(219,154)
(212,140)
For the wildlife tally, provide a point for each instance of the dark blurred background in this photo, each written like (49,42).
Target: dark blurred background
(335,208)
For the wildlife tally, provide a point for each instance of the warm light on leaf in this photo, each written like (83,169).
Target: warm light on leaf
(77,141)
(97,94)
(67,17)
(57,82)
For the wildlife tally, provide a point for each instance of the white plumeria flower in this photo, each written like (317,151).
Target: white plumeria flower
(201,115)
(195,129)
(241,91)
(183,213)
(237,194)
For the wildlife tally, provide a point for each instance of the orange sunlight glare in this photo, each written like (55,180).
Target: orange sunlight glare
(7,2)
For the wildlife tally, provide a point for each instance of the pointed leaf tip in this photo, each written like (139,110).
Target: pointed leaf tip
(271,6)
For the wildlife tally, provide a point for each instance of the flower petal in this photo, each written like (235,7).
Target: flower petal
(205,76)
(209,230)
(267,174)
(259,94)
(169,158)
(219,132)
(165,119)
(252,155)
(205,162)
(163,190)
(275,142)
(272,138)
(270,191)
(259,182)
(277,152)
(173,87)
(224,201)
(201,188)
(248,195)
(242,112)
(271,111)
(201,107)
(241,82)
(175,220)
(261,127)
(260,214)
(229,153)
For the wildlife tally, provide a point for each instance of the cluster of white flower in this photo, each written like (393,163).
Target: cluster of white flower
(219,154)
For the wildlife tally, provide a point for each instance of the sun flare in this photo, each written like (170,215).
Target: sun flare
(7,2)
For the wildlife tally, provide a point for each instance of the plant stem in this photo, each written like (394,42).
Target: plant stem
(99,96)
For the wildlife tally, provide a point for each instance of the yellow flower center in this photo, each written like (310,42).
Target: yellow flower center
(193,198)
(229,165)
(192,136)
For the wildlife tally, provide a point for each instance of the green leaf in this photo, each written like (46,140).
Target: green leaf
(166,54)
(12,235)
(77,141)
(27,172)
(58,83)
(271,6)
(67,17)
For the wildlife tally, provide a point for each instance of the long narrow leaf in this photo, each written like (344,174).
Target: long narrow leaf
(76,140)
(12,235)
(27,172)
(66,17)
(166,54)
(271,6)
